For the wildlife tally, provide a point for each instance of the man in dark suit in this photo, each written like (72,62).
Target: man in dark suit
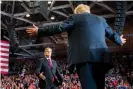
(48,72)
(87,46)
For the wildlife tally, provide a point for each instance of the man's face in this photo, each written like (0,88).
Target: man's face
(48,53)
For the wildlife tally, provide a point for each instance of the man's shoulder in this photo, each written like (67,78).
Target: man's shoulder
(97,16)
(40,59)
(73,15)
(53,60)
(101,18)
(91,15)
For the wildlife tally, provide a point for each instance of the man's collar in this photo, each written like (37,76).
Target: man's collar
(48,58)
(86,12)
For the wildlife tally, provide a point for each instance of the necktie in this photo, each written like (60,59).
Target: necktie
(50,64)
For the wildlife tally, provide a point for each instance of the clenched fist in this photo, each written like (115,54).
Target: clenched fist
(42,76)
(32,31)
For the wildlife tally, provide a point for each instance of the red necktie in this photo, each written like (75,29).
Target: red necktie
(50,64)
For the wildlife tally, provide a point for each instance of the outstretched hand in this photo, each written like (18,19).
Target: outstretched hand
(122,39)
(32,31)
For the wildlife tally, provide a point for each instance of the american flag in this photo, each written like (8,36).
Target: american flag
(4,56)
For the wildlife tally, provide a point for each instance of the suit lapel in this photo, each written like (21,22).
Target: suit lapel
(46,63)
(52,64)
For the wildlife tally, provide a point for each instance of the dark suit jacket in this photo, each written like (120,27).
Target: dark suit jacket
(43,66)
(86,37)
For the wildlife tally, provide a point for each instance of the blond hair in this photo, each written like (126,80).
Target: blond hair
(81,9)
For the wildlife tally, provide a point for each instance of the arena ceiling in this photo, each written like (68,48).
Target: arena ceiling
(18,15)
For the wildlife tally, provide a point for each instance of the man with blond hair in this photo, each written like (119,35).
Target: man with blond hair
(87,49)
(81,9)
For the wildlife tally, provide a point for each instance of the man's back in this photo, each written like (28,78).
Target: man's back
(88,30)
(86,38)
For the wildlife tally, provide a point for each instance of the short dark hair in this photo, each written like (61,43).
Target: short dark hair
(48,48)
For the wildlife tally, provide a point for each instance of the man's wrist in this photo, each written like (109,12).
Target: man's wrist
(37,31)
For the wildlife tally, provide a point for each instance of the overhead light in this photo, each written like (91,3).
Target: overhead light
(52,17)
(0,2)
(49,2)
(28,15)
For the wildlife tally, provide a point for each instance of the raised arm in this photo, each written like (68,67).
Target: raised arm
(113,36)
(53,29)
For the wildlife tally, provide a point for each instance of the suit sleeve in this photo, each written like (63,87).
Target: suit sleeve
(113,36)
(58,74)
(53,29)
(38,67)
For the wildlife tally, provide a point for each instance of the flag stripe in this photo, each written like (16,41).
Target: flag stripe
(2,51)
(4,59)
(3,72)
(5,49)
(3,64)
(4,67)
(2,46)
(4,54)
(2,41)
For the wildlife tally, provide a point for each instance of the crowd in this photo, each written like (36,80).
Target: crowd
(20,66)
(20,82)
(116,81)
(71,80)
(121,76)
(21,75)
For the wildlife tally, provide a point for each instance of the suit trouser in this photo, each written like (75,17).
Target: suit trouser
(54,87)
(92,75)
